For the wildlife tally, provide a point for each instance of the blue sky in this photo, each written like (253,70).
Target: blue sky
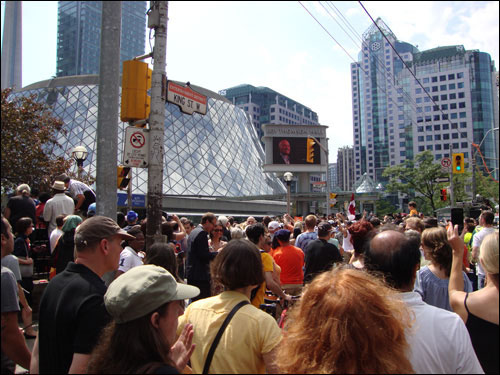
(218,45)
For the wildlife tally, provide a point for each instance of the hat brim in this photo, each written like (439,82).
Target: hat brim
(125,235)
(185,291)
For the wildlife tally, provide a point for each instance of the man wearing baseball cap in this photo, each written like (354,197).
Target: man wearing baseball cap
(131,218)
(321,254)
(72,312)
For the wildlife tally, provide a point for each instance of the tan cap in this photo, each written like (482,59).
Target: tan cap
(143,289)
(97,228)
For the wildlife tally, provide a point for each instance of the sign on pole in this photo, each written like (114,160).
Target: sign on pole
(136,147)
(445,164)
(187,99)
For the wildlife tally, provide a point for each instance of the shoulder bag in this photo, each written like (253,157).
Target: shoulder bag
(211,352)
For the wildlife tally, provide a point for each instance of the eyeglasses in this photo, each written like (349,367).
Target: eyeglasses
(269,243)
(217,230)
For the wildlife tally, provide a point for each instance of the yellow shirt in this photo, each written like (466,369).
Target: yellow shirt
(250,334)
(267,264)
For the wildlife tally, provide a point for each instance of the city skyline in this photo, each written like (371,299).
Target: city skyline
(280,46)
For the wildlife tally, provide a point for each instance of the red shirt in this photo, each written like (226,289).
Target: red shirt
(291,261)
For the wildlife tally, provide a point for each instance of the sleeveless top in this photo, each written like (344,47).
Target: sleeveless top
(484,337)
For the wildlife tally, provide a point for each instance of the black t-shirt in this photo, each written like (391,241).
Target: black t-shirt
(72,315)
(166,369)
(21,206)
(320,255)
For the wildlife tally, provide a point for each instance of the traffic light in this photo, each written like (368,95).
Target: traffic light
(123,179)
(443,194)
(458,163)
(310,150)
(136,81)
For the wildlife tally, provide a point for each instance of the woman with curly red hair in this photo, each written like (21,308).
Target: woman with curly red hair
(346,322)
(359,234)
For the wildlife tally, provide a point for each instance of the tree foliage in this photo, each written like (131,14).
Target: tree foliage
(29,142)
(417,176)
(486,187)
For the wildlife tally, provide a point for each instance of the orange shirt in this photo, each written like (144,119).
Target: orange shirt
(291,261)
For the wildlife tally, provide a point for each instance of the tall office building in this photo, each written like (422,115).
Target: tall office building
(12,45)
(332,176)
(345,168)
(266,106)
(79,35)
(396,118)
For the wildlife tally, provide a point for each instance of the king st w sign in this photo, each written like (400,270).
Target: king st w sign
(186,98)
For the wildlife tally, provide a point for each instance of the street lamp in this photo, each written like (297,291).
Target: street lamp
(80,155)
(288,179)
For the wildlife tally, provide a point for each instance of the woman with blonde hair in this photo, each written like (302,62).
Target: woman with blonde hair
(349,322)
(479,310)
(432,280)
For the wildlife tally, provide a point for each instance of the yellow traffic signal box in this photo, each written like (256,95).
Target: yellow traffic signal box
(136,81)
(310,150)
(123,179)
(458,163)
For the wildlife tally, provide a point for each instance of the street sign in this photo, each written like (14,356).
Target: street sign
(442,179)
(446,162)
(138,200)
(136,147)
(187,99)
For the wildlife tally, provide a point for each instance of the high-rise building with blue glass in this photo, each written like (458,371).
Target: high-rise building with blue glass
(79,35)
(452,103)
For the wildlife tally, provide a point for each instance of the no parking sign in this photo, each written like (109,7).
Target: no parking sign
(136,147)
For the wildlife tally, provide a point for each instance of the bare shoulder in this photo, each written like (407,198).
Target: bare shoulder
(484,304)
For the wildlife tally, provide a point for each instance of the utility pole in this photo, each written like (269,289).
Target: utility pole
(107,116)
(157,20)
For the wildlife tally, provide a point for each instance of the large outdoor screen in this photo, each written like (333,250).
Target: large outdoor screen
(292,150)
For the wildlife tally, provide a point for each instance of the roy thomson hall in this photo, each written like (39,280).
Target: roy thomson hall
(213,162)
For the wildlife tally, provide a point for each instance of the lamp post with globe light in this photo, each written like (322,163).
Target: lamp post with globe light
(80,155)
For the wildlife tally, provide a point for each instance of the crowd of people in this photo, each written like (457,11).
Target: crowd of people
(399,294)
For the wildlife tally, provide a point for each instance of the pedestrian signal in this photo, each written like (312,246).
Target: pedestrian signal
(122,175)
(310,150)
(443,194)
(458,163)
(136,81)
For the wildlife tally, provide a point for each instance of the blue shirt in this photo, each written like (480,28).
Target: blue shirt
(304,238)
(434,290)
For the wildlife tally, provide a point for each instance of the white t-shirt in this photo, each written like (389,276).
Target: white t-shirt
(477,240)
(128,259)
(438,340)
(347,245)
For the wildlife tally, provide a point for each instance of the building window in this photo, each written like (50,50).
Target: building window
(463,114)
(453,96)
(451,86)
(461,95)
(460,85)
(434,79)
(460,75)
(461,105)
(442,87)
(451,76)
(442,78)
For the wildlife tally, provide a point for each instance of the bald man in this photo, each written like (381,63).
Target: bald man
(438,340)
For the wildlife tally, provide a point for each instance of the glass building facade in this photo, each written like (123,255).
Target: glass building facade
(79,35)
(449,106)
(215,155)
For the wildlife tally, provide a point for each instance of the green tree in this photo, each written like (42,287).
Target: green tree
(384,207)
(417,176)
(486,186)
(29,143)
